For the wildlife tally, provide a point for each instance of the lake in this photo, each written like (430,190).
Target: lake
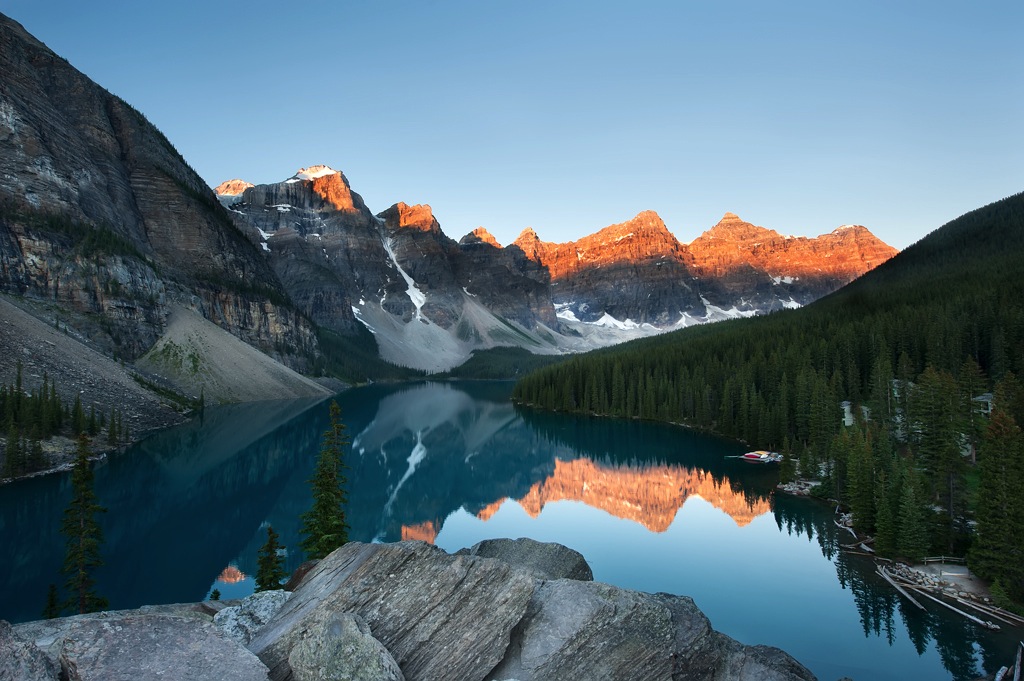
(652,507)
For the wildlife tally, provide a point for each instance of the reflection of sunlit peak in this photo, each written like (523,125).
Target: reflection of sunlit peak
(486,512)
(231,575)
(425,531)
(650,496)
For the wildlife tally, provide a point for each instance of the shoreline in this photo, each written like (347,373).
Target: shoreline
(952,580)
(60,450)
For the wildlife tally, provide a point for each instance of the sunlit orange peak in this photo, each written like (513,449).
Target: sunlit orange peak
(232,187)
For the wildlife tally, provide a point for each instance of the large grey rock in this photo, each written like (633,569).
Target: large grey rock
(546,560)
(589,630)
(241,622)
(440,616)
(21,660)
(473,617)
(343,649)
(140,647)
(757,663)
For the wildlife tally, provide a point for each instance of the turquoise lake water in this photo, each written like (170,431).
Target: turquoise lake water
(652,507)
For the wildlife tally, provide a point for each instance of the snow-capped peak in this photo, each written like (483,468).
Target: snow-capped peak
(313,172)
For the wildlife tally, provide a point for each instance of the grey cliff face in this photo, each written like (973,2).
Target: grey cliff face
(100,214)
(331,252)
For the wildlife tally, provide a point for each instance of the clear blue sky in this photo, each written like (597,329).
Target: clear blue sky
(569,116)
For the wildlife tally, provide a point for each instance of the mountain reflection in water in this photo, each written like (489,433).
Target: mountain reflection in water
(652,507)
(433,449)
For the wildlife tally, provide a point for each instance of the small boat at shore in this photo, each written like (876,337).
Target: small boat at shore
(761,456)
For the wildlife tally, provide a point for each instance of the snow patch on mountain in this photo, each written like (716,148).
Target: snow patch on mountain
(611,322)
(417,296)
(311,173)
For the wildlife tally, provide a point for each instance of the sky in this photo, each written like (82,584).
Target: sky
(569,116)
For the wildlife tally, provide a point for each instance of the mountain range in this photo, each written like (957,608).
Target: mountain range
(108,233)
(431,301)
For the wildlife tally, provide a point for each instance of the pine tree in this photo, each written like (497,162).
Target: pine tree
(861,481)
(84,536)
(92,426)
(112,429)
(15,463)
(270,564)
(52,608)
(997,552)
(912,540)
(970,382)
(323,525)
(77,417)
(939,449)
(36,456)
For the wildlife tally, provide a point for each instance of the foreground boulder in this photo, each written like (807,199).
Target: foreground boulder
(137,646)
(342,650)
(241,622)
(440,616)
(546,560)
(467,616)
(21,660)
(501,610)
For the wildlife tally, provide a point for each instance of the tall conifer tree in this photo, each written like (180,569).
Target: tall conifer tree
(323,525)
(269,563)
(84,536)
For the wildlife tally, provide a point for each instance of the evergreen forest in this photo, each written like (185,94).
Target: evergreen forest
(30,417)
(900,392)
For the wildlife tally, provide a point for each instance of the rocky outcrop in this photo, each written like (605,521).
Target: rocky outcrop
(466,616)
(544,559)
(412,611)
(343,649)
(21,660)
(141,646)
(241,622)
(417,600)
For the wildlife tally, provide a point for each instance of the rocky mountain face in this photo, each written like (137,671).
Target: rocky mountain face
(638,271)
(429,300)
(102,217)
(635,270)
(745,259)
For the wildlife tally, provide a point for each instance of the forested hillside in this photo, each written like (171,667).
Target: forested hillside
(913,342)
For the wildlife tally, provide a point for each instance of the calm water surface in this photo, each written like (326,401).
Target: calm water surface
(652,507)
